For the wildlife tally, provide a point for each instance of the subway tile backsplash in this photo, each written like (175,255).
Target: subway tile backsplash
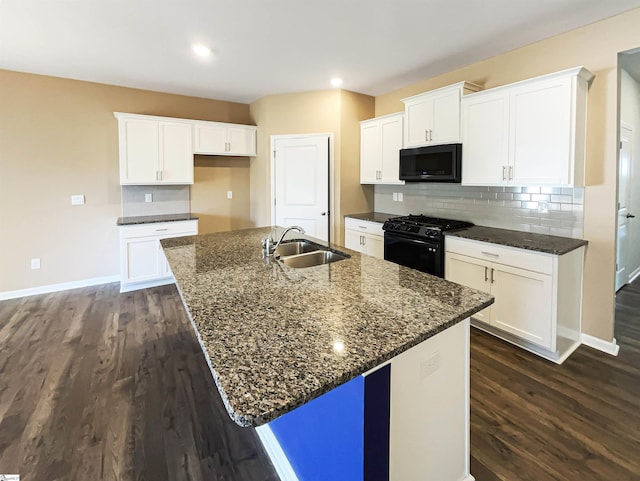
(517,208)
(167,199)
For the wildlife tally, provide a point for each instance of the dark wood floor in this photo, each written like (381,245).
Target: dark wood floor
(97,385)
(532,420)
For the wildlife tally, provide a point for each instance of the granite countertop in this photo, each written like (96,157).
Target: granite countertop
(524,240)
(276,337)
(373,216)
(151,219)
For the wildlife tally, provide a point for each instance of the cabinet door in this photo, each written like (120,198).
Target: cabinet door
(353,240)
(445,126)
(138,151)
(469,272)
(176,153)
(485,138)
(370,153)
(541,149)
(419,120)
(210,139)
(141,259)
(523,304)
(374,245)
(241,141)
(391,143)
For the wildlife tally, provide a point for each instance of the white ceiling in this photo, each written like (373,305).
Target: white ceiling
(266,47)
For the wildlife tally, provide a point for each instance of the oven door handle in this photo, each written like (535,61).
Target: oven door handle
(410,240)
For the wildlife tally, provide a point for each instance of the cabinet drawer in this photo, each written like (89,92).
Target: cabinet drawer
(373,228)
(160,229)
(499,254)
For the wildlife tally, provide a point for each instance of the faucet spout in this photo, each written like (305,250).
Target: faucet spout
(270,247)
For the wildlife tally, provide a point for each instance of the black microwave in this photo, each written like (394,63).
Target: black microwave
(433,163)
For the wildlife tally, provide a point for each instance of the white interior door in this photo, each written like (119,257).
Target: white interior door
(624,195)
(301,174)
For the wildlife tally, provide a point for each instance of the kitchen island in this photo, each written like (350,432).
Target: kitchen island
(278,338)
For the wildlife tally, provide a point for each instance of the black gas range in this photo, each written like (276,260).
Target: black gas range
(417,241)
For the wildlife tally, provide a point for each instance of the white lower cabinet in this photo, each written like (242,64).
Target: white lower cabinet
(142,260)
(538,296)
(364,236)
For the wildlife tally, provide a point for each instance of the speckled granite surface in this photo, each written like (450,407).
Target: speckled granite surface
(276,337)
(151,219)
(524,240)
(373,216)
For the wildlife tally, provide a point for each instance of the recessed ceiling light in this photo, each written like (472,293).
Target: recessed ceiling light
(201,50)
(336,82)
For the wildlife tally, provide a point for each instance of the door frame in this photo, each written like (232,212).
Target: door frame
(272,172)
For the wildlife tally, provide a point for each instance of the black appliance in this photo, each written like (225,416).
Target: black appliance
(433,163)
(417,241)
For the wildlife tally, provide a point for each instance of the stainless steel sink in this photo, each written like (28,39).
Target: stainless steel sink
(292,248)
(314,258)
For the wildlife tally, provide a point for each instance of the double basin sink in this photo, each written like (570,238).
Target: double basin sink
(301,253)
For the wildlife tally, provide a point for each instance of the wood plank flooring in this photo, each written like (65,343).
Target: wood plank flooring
(533,420)
(97,385)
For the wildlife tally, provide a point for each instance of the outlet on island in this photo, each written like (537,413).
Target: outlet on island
(148,197)
(35,263)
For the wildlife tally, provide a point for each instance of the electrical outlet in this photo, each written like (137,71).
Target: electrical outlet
(229,194)
(77,199)
(395,197)
(35,263)
(543,207)
(148,197)
(400,197)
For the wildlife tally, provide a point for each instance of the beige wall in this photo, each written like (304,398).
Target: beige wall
(352,197)
(214,177)
(59,137)
(326,111)
(596,47)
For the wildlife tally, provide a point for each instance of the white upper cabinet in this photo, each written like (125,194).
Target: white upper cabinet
(154,151)
(159,150)
(380,144)
(528,133)
(216,138)
(434,117)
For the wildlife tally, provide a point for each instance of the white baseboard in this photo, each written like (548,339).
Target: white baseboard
(32,291)
(610,347)
(145,285)
(276,454)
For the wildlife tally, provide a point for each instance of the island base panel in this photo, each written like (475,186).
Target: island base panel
(424,392)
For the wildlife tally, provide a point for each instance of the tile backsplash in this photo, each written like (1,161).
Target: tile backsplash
(167,199)
(517,208)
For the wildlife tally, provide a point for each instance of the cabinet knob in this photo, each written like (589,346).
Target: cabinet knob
(323,213)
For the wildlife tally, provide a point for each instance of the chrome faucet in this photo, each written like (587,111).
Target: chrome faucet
(267,243)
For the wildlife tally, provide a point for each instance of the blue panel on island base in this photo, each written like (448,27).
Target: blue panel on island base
(324,439)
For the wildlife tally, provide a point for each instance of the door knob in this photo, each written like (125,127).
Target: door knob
(323,213)
(630,216)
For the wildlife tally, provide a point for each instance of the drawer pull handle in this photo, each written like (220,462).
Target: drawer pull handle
(486,270)
(161,230)
(490,254)
(362,227)
(492,279)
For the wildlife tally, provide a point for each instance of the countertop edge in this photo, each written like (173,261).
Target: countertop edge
(572,243)
(154,219)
